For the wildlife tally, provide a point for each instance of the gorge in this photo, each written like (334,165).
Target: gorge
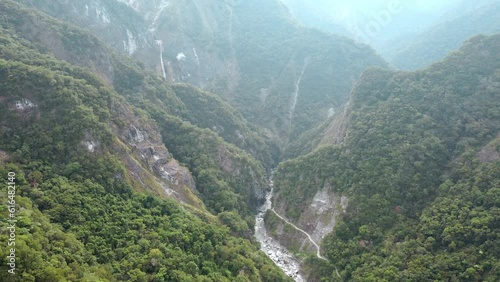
(256,149)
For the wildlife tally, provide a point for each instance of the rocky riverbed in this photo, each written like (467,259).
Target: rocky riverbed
(274,250)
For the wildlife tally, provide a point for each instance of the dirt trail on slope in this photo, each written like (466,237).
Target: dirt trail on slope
(318,254)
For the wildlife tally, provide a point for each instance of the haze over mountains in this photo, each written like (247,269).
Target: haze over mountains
(438,40)
(152,139)
(408,34)
(235,49)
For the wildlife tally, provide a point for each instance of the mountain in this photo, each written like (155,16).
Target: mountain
(437,41)
(223,140)
(411,179)
(280,75)
(114,180)
(319,16)
(408,35)
(152,95)
(385,25)
(465,7)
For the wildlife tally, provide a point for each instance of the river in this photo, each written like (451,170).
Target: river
(273,249)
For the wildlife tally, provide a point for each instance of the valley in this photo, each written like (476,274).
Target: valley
(223,141)
(272,248)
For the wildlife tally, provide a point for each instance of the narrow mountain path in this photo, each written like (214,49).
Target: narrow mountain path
(272,247)
(305,233)
(318,254)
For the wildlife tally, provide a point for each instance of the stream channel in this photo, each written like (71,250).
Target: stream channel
(273,249)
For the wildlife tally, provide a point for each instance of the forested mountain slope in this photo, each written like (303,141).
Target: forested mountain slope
(278,74)
(79,47)
(90,136)
(420,169)
(125,172)
(434,43)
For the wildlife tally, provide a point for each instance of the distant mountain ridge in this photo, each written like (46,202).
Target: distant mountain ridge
(251,53)
(410,144)
(144,136)
(434,43)
(85,130)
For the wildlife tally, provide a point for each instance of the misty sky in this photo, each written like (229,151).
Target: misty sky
(343,9)
(375,20)
(378,4)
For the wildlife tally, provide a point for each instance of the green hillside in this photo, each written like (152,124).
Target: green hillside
(144,139)
(95,199)
(422,189)
(281,76)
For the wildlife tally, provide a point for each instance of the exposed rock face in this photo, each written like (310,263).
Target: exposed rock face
(117,24)
(336,132)
(24,104)
(51,36)
(318,219)
(24,107)
(149,164)
(286,235)
(258,191)
(149,161)
(233,167)
(274,250)
(221,46)
(90,145)
(135,135)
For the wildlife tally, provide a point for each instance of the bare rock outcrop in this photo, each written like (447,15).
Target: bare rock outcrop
(148,159)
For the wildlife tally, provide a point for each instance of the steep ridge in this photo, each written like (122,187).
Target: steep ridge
(384,25)
(118,25)
(284,50)
(153,96)
(251,53)
(408,137)
(401,136)
(318,16)
(129,78)
(94,174)
(332,131)
(437,41)
(79,193)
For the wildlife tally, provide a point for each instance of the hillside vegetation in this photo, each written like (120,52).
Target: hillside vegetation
(281,76)
(132,168)
(99,196)
(423,198)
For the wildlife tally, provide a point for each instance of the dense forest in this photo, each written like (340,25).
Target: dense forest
(420,152)
(251,53)
(90,207)
(135,160)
